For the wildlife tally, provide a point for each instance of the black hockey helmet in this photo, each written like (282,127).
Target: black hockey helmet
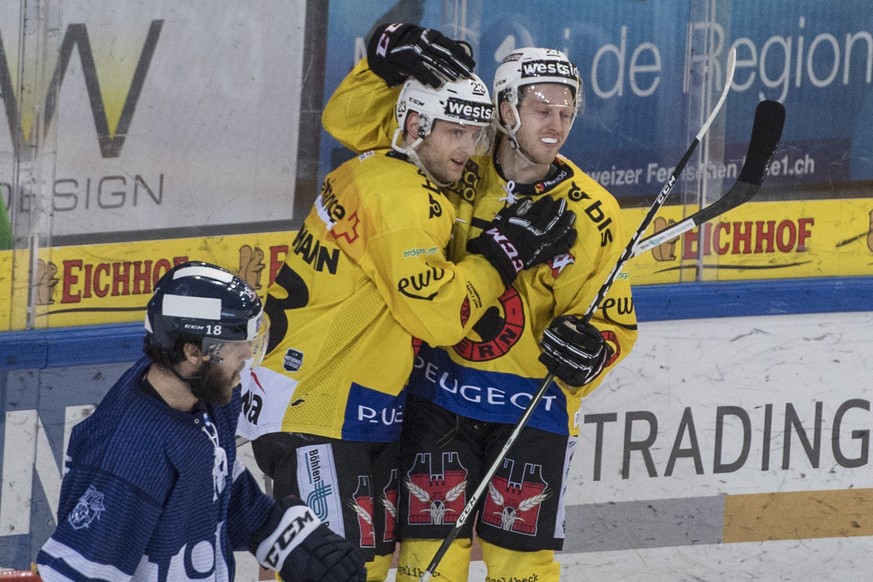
(199,301)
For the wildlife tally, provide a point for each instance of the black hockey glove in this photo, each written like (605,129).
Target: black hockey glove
(526,234)
(574,351)
(296,544)
(397,51)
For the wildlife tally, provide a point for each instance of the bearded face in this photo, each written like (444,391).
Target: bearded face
(220,372)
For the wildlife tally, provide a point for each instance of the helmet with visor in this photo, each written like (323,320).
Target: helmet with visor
(534,66)
(200,302)
(465,101)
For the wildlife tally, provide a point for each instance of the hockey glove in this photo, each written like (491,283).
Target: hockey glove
(574,351)
(525,234)
(296,544)
(397,51)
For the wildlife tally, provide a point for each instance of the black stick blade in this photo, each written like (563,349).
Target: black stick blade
(766,133)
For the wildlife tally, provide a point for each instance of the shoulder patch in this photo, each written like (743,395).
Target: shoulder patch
(89,508)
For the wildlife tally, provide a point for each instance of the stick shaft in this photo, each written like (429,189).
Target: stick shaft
(626,254)
(698,218)
(665,191)
(766,133)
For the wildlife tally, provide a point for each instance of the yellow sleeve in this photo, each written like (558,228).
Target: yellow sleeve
(360,113)
(433,298)
(602,237)
(395,228)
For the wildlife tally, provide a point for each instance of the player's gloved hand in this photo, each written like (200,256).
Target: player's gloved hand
(399,51)
(296,544)
(574,351)
(526,234)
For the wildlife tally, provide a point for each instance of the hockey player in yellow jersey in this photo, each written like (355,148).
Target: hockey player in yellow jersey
(465,400)
(365,275)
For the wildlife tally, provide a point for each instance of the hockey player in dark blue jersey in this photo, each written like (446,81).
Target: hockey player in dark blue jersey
(152,488)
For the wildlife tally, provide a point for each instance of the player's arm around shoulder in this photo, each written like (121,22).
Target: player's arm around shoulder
(433,298)
(360,112)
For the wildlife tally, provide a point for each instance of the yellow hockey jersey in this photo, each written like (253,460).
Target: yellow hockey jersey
(493,372)
(366,273)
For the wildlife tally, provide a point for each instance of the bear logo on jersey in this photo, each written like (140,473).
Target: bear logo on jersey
(89,508)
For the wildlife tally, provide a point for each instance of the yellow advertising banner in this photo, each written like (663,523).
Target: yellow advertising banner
(111,283)
(761,240)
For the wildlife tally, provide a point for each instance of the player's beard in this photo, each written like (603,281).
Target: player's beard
(216,384)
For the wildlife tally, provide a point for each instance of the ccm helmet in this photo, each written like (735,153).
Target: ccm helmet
(463,101)
(529,66)
(199,301)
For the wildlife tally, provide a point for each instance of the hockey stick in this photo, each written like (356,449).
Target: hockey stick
(625,255)
(766,133)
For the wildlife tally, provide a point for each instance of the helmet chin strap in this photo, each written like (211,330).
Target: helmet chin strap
(195,382)
(412,155)
(511,132)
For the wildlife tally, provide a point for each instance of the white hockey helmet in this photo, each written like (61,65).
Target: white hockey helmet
(531,65)
(463,101)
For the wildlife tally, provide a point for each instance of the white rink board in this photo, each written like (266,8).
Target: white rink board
(743,361)
(746,363)
(827,560)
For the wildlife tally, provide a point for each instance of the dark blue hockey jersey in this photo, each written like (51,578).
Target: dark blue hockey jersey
(152,493)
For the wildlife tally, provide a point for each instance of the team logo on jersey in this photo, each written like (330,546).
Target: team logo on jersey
(362,504)
(293,360)
(89,508)
(436,494)
(515,505)
(499,329)
(611,339)
(561,262)
(389,501)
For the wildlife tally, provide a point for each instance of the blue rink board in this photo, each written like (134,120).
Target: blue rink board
(116,343)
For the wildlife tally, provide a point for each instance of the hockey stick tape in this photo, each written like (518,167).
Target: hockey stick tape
(766,133)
